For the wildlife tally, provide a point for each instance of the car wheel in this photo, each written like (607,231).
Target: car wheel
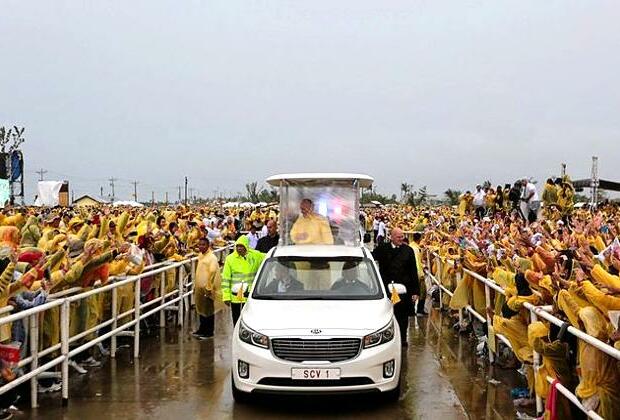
(239,396)
(393,395)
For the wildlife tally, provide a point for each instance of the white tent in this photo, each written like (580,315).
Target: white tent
(231,204)
(128,203)
(246,204)
(48,193)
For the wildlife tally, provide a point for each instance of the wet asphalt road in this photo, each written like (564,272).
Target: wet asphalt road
(179,377)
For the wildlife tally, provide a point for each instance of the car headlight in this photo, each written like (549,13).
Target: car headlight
(252,337)
(384,335)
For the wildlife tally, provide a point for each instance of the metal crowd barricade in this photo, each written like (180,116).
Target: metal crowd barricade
(535,313)
(484,318)
(179,297)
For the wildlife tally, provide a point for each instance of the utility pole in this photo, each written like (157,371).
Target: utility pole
(135,190)
(101,192)
(594,182)
(153,197)
(112,181)
(186,191)
(179,194)
(191,194)
(166,197)
(563,170)
(41,172)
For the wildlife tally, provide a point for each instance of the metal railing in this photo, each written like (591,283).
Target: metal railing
(62,352)
(535,313)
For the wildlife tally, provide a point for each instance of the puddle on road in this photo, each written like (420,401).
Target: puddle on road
(182,378)
(468,374)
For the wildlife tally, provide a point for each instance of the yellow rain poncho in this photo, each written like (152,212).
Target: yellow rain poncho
(603,277)
(208,285)
(555,363)
(515,330)
(312,229)
(5,294)
(571,304)
(30,233)
(18,220)
(599,299)
(469,290)
(600,376)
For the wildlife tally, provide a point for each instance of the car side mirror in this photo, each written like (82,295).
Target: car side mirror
(400,288)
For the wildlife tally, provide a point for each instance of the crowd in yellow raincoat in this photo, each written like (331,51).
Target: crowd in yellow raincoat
(50,251)
(569,259)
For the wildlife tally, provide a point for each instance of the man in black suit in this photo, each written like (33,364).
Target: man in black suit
(397,264)
(350,283)
(270,240)
(284,282)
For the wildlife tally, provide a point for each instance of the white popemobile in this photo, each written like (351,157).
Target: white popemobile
(318,318)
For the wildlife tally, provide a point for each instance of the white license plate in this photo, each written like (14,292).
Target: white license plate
(311,374)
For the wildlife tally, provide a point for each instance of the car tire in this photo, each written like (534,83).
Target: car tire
(239,396)
(392,395)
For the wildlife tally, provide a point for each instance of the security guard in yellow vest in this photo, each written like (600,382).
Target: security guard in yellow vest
(239,270)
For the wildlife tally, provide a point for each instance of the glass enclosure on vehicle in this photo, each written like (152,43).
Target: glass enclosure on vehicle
(345,278)
(320,209)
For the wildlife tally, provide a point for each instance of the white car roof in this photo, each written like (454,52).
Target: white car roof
(364,181)
(319,251)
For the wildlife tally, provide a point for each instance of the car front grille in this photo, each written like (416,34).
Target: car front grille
(302,350)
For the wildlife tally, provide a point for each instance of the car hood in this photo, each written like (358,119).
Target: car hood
(331,317)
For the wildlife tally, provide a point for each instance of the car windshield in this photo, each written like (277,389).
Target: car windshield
(318,279)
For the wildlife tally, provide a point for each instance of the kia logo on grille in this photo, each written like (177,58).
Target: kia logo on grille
(316,331)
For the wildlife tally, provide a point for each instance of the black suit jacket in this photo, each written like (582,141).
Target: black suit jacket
(398,265)
(272,288)
(265,243)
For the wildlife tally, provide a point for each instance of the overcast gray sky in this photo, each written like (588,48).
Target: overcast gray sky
(437,93)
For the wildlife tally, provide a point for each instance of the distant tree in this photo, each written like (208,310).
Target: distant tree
(372,195)
(5,137)
(453,196)
(581,198)
(269,195)
(251,189)
(586,198)
(418,198)
(405,188)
